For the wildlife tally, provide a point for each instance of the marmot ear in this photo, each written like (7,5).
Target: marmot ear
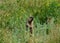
(31,17)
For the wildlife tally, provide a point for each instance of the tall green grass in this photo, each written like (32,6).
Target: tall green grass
(13,16)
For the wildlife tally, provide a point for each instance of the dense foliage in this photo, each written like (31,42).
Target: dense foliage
(13,16)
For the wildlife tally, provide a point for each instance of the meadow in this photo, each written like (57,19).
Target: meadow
(13,17)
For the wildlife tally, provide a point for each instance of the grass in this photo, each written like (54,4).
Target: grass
(13,16)
(39,35)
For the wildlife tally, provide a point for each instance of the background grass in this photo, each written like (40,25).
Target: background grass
(13,16)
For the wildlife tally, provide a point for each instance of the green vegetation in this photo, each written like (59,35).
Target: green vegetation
(13,16)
